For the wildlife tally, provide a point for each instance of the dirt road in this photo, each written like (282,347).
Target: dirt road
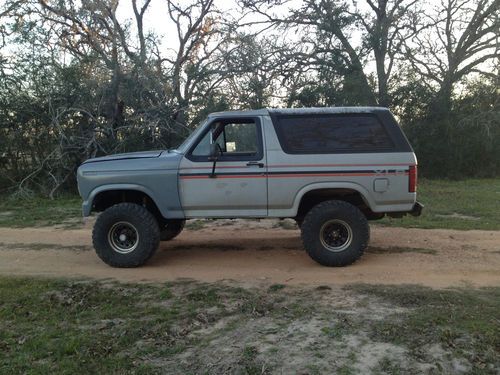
(264,253)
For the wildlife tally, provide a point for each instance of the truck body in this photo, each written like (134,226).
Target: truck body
(264,163)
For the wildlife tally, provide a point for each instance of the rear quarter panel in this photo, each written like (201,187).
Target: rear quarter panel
(293,175)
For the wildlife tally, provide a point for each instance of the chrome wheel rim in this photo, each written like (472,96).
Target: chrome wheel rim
(123,237)
(335,235)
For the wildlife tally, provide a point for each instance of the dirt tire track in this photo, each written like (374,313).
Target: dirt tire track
(264,255)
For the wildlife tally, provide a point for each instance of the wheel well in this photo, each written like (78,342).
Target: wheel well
(314,197)
(108,198)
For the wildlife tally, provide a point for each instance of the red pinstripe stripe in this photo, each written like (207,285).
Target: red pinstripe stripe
(297,175)
(305,165)
(222,176)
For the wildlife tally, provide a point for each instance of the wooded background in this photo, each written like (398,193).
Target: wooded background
(78,80)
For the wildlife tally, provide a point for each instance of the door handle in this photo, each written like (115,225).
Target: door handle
(255,164)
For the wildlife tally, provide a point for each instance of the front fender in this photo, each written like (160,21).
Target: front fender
(156,177)
(166,211)
(87,203)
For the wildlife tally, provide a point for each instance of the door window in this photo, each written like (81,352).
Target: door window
(238,139)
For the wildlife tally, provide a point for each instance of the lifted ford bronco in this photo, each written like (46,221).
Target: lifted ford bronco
(331,169)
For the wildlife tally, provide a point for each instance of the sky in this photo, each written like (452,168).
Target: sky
(157,19)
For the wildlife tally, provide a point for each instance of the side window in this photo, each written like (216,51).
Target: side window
(237,138)
(332,134)
(240,138)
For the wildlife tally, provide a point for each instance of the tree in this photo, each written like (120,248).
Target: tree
(461,37)
(330,28)
(208,44)
(387,26)
(92,28)
(325,29)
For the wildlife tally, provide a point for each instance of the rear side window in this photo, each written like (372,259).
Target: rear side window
(330,134)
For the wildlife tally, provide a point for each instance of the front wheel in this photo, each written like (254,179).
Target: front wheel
(335,233)
(126,235)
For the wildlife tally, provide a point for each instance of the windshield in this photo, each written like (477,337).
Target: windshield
(182,147)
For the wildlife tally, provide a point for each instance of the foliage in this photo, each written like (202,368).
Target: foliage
(77,80)
(464,141)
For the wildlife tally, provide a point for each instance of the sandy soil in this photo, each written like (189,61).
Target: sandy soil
(263,252)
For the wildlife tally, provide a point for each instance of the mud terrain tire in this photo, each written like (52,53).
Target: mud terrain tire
(335,233)
(126,235)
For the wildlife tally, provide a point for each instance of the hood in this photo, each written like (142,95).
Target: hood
(129,155)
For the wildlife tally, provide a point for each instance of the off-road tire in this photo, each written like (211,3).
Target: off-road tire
(140,219)
(172,229)
(342,214)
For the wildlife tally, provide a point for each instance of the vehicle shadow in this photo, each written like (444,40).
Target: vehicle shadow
(188,250)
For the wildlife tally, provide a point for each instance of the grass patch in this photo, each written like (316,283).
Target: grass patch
(250,362)
(39,211)
(195,224)
(276,287)
(464,322)
(468,204)
(57,326)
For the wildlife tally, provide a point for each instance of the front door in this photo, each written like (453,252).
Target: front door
(238,188)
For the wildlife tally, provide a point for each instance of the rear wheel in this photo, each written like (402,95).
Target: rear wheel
(126,235)
(335,233)
(172,229)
